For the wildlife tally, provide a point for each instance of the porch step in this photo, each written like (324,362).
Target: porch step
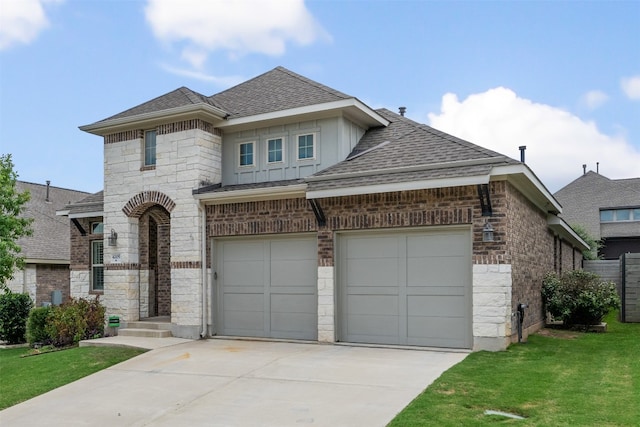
(144,333)
(145,324)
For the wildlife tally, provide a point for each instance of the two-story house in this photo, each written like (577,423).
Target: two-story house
(283,208)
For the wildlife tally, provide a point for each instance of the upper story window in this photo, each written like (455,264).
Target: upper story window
(274,150)
(97,228)
(306,147)
(615,215)
(246,154)
(150,148)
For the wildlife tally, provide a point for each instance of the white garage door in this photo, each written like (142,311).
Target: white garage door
(409,288)
(267,288)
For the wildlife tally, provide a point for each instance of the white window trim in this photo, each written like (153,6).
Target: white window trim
(284,145)
(255,154)
(315,146)
(92,288)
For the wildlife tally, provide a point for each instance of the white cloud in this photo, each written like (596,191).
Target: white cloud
(238,27)
(631,86)
(594,99)
(558,142)
(21,21)
(226,81)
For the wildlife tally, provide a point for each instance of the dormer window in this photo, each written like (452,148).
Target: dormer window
(246,154)
(274,150)
(306,147)
(150,148)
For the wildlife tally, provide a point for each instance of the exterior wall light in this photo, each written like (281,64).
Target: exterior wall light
(487,232)
(113,238)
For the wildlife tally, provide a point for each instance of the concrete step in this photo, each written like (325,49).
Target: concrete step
(145,324)
(144,333)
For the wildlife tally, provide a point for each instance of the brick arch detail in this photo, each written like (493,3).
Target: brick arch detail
(142,201)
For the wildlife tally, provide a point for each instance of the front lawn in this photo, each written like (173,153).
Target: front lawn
(558,378)
(22,378)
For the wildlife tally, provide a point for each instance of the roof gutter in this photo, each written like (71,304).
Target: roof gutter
(110,125)
(400,169)
(531,187)
(560,227)
(252,194)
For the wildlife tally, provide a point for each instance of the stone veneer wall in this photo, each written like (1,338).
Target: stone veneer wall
(24,281)
(187,153)
(435,207)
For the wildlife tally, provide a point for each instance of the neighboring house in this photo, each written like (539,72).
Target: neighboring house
(283,208)
(46,251)
(609,209)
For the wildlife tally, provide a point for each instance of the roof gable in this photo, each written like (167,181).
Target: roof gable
(276,90)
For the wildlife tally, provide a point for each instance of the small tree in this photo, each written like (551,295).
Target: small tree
(594,244)
(12,226)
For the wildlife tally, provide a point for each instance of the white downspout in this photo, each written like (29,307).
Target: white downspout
(203,266)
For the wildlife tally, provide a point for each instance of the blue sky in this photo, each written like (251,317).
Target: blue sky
(562,78)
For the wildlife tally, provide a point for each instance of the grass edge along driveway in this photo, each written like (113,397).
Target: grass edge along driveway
(22,378)
(557,378)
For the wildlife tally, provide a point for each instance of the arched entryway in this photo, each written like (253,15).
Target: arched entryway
(152,209)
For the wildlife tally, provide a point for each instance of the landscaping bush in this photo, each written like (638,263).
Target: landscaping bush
(14,311)
(75,320)
(37,326)
(579,297)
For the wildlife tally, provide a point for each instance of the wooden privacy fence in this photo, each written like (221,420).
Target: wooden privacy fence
(625,273)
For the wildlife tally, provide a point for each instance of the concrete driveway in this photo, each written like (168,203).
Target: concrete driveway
(220,382)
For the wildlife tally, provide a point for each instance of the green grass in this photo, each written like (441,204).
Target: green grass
(560,379)
(22,378)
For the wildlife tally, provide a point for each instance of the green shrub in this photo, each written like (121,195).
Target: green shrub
(37,324)
(75,320)
(579,297)
(14,311)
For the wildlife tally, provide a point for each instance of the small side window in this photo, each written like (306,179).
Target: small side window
(150,148)
(97,228)
(97,265)
(606,215)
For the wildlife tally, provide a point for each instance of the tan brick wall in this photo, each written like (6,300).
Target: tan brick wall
(51,277)
(448,206)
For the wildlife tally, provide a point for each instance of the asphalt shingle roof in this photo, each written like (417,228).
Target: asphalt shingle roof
(275,90)
(50,239)
(92,203)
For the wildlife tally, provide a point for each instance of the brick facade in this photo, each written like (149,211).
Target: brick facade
(51,277)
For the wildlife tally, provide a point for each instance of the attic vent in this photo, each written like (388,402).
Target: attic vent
(360,153)
(402,110)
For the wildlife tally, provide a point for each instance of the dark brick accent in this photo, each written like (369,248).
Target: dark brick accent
(188,125)
(123,136)
(49,278)
(142,201)
(122,266)
(185,264)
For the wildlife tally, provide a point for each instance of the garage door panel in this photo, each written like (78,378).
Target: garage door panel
(290,303)
(435,271)
(438,329)
(244,302)
(373,325)
(293,249)
(437,290)
(442,306)
(372,272)
(245,323)
(291,325)
(436,244)
(293,273)
(367,304)
(372,247)
(243,251)
(243,273)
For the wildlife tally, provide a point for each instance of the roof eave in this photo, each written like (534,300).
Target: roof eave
(252,194)
(399,186)
(200,110)
(352,108)
(528,184)
(560,227)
